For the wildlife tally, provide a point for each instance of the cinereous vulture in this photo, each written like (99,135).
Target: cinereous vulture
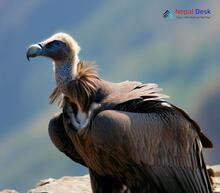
(127,134)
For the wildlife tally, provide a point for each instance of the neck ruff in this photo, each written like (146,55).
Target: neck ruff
(78,88)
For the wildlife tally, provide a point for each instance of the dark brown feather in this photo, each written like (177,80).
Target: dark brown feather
(158,144)
(162,150)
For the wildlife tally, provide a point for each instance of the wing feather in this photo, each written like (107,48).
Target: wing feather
(134,96)
(133,90)
(163,146)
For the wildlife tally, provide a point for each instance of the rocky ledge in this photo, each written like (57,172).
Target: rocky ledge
(81,184)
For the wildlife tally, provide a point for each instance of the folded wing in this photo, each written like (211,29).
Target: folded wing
(163,147)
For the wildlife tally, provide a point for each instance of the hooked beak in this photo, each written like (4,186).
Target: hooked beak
(34,51)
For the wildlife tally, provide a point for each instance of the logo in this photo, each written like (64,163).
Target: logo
(188,13)
(168,14)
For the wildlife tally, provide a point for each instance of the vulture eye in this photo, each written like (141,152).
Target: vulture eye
(49,45)
(57,43)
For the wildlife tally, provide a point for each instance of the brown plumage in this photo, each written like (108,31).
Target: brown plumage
(81,89)
(127,134)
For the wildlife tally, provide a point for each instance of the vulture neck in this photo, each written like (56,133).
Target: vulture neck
(64,73)
(79,85)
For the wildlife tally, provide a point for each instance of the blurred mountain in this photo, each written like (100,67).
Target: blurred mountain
(128,39)
(208,116)
(22,23)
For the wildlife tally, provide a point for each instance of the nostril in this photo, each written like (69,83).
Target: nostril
(40,45)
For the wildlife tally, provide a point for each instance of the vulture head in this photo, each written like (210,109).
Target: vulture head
(60,47)
(75,80)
